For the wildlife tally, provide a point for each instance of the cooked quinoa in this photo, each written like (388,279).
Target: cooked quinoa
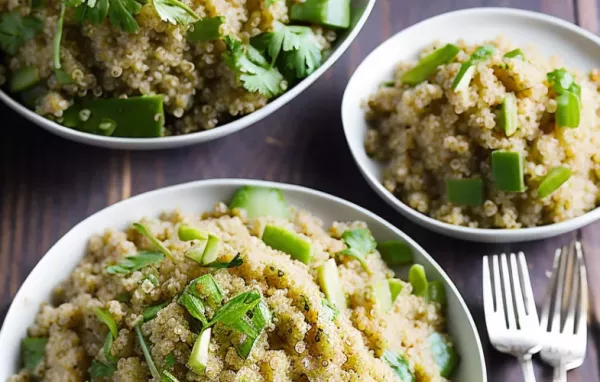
(199,89)
(301,342)
(429,133)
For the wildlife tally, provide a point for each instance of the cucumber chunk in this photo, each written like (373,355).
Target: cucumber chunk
(396,287)
(428,65)
(332,13)
(329,279)
(260,201)
(288,242)
(444,354)
(553,180)
(507,171)
(465,192)
(418,280)
(508,120)
(395,252)
(383,295)
(199,356)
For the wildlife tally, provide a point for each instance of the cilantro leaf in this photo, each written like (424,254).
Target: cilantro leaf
(235,262)
(135,262)
(94,11)
(307,58)
(119,12)
(206,29)
(252,69)
(101,370)
(15,30)
(360,243)
(283,37)
(33,350)
(174,12)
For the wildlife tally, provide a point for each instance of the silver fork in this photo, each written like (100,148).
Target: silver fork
(564,312)
(510,312)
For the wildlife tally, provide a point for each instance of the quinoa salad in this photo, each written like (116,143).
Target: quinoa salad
(488,135)
(137,68)
(254,290)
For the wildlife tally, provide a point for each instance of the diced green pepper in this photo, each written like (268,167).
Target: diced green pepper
(135,117)
(23,79)
(418,279)
(465,192)
(329,279)
(568,110)
(508,120)
(436,292)
(288,242)
(396,287)
(507,171)
(429,64)
(444,354)
(516,53)
(555,178)
(188,233)
(395,252)
(467,70)
(332,13)
(260,201)
(383,296)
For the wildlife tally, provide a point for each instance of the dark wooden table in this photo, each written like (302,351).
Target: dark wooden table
(48,184)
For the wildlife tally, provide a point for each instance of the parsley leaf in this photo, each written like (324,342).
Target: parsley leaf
(135,262)
(101,370)
(252,69)
(174,12)
(119,12)
(235,262)
(206,29)
(360,243)
(15,30)
(157,243)
(33,350)
(150,312)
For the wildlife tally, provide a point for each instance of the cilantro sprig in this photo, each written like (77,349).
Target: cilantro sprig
(135,262)
(119,12)
(206,29)
(360,243)
(105,369)
(15,30)
(174,12)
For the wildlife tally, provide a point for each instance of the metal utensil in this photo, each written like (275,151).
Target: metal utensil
(510,312)
(564,313)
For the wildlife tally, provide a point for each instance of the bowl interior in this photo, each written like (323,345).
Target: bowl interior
(197,197)
(550,36)
(360,12)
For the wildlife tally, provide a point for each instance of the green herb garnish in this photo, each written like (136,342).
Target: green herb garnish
(206,29)
(120,13)
(153,279)
(57,38)
(170,361)
(135,262)
(235,262)
(33,351)
(168,377)
(15,30)
(101,370)
(150,312)
(236,308)
(261,316)
(360,243)
(400,366)
(157,243)
(174,12)
(467,70)
(516,53)
(329,312)
(208,289)
(146,351)
(104,316)
(194,306)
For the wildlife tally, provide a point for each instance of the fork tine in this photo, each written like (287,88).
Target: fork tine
(583,285)
(488,296)
(527,290)
(555,325)
(510,312)
(516,280)
(549,292)
(497,288)
(571,291)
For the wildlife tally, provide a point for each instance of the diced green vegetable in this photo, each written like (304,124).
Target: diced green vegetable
(260,201)
(135,117)
(231,312)
(395,252)
(436,292)
(508,119)
(555,178)
(562,82)
(429,64)
(23,79)
(467,70)
(418,280)
(332,13)
(208,289)
(360,244)
(142,229)
(174,12)
(193,305)
(261,316)
(33,351)
(400,366)
(15,30)
(383,296)
(146,351)
(465,192)
(396,287)
(516,53)
(211,252)
(507,171)
(170,361)
(150,312)
(196,251)
(329,311)
(135,262)
(188,233)
(104,316)
(568,110)
(206,29)
(289,242)
(329,279)
(444,354)
(199,356)
(101,370)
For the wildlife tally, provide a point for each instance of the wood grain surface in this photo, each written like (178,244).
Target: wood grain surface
(48,184)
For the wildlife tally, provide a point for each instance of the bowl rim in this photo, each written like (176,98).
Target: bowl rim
(237,182)
(518,234)
(199,136)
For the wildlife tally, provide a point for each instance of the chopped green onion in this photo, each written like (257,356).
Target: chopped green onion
(188,233)
(149,361)
(194,306)
(150,312)
(508,118)
(168,377)
(466,192)
(261,316)
(568,111)
(287,241)
(206,288)
(429,64)
(100,370)
(170,361)
(360,243)
(206,29)
(33,351)
(63,77)
(516,53)
(108,341)
(104,316)
(199,356)
(153,279)
(507,171)
(467,70)
(235,262)
(395,252)
(400,366)
(396,287)
(444,354)
(418,280)
(236,308)
(555,178)
(436,292)
(383,296)
(135,262)
(157,243)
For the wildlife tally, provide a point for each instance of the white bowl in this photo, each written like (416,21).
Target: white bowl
(552,36)
(197,197)
(361,9)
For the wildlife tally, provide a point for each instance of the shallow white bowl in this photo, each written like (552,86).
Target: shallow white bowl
(361,9)
(197,197)
(552,36)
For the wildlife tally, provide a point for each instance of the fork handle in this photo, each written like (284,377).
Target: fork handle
(560,373)
(527,366)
